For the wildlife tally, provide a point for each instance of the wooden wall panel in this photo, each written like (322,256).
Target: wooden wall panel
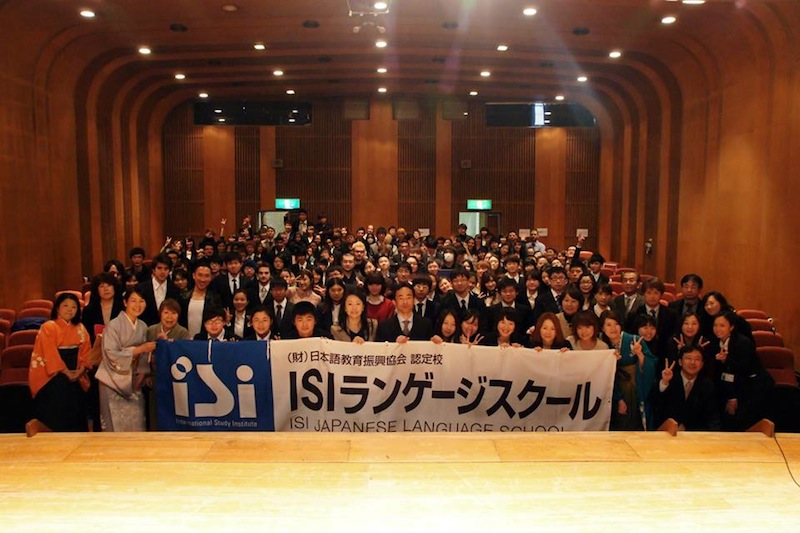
(248,166)
(581,209)
(416,177)
(375,160)
(502,168)
(183,174)
(317,164)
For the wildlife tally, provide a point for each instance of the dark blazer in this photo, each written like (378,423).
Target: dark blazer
(150,315)
(390,329)
(253,291)
(602,278)
(545,303)
(667,324)
(285,324)
(431,310)
(211,299)
(92,315)
(221,286)
(677,307)
(618,306)
(451,301)
(698,412)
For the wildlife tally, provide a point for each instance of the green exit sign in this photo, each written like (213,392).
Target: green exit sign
(481,205)
(287,203)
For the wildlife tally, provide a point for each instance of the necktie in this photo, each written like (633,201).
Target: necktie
(419,308)
(688,388)
(235,285)
(406,329)
(263,294)
(463,305)
(628,302)
(278,313)
(653,313)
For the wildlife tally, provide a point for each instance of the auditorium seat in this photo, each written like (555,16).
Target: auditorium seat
(2,343)
(612,265)
(607,272)
(760,324)
(768,338)
(27,336)
(31,304)
(622,270)
(645,277)
(616,286)
(752,313)
(780,363)
(5,327)
(8,314)
(585,255)
(14,364)
(670,288)
(34,311)
(668,297)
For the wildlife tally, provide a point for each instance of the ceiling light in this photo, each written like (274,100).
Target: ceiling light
(291,120)
(87,14)
(473,93)
(145,51)
(381,89)
(615,54)
(277,72)
(289,91)
(694,2)
(203,95)
(230,8)
(502,47)
(382,70)
(220,120)
(583,79)
(529,11)
(180,76)
(380,43)
(668,19)
(380,6)
(485,73)
(218,111)
(559,97)
(260,46)
(466,113)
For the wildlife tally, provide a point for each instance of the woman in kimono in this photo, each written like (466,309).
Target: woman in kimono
(123,368)
(635,376)
(57,373)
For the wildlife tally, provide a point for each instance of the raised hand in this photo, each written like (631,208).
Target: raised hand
(666,374)
(722,356)
(680,341)
(702,343)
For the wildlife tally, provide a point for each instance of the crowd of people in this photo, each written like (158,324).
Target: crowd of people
(693,360)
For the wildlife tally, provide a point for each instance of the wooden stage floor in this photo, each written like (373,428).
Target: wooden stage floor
(398,482)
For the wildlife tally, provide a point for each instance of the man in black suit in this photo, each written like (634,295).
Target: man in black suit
(508,299)
(282,308)
(157,289)
(630,300)
(595,266)
(689,397)
(462,298)
(691,286)
(423,305)
(404,325)
(258,292)
(666,319)
(548,299)
(225,285)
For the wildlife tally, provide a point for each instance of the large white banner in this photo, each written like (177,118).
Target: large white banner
(324,385)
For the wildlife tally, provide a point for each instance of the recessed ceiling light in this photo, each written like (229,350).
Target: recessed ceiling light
(668,19)
(473,93)
(380,6)
(277,72)
(615,54)
(559,97)
(466,113)
(218,111)
(260,46)
(220,120)
(583,79)
(381,89)
(380,43)
(289,91)
(502,47)
(180,76)
(382,70)
(529,11)
(694,2)
(230,8)
(145,51)
(203,95)
(292,120)
(485,73)
(87,13)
